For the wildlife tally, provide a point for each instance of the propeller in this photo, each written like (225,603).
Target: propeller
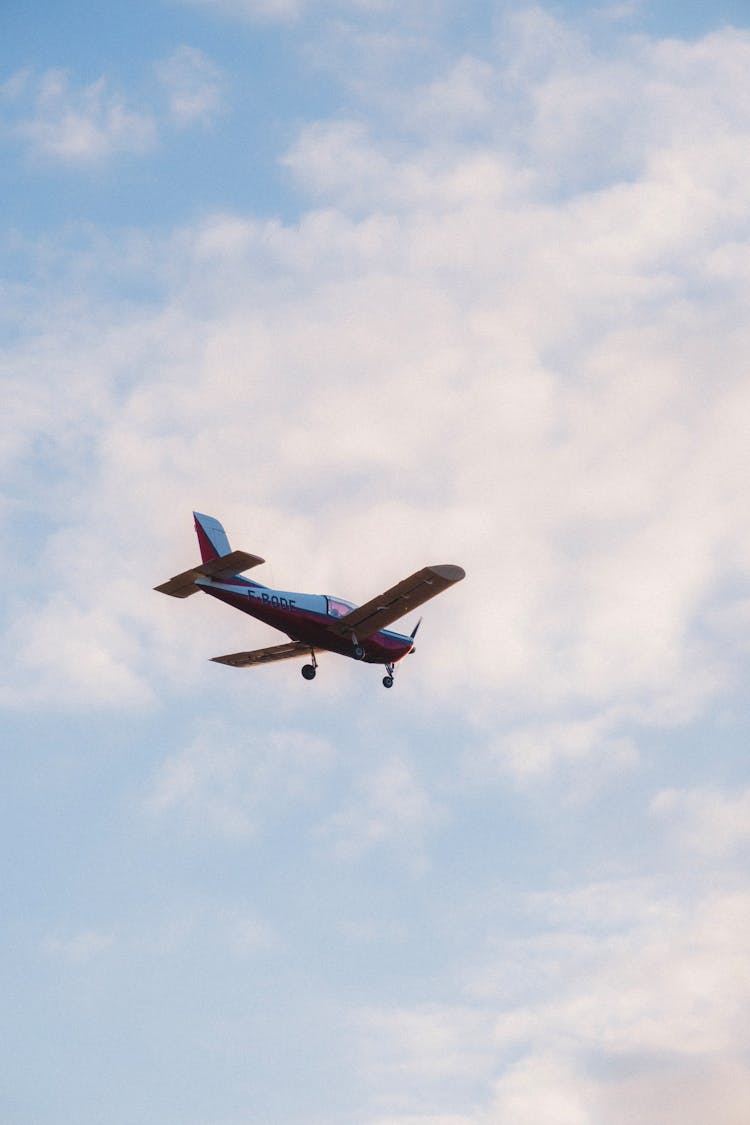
(414,630)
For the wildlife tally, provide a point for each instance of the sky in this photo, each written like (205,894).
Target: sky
(377,285)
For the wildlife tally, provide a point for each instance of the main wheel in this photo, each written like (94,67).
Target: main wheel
(359,652)
(308,671)
(387,681)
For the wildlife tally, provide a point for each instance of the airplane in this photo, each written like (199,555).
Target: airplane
(313,622)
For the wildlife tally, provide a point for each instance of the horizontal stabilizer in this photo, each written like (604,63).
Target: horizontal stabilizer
(379,612)
(183,585)
(263,655)
(229,565)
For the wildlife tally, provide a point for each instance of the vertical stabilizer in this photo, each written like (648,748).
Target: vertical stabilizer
(212,538)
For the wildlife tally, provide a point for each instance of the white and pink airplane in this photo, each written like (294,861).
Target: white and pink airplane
(313,622)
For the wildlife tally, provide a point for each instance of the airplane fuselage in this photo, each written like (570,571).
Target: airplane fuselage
(306,618)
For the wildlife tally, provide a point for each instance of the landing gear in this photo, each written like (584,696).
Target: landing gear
(357,651)
(309,670)
(388,678)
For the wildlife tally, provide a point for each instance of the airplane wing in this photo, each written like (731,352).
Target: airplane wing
(263,655)
(183,585)
(379,612)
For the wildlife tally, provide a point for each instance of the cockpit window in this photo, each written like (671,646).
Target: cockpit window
(339,608)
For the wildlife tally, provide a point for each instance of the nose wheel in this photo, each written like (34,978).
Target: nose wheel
(388,678)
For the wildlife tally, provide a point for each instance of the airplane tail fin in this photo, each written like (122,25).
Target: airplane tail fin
(212,538)
(219,560)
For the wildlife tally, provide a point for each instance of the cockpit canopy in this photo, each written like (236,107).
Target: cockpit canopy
(337,607)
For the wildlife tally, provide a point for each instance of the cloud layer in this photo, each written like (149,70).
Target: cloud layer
(560,376)
(621,1006)
(506,329)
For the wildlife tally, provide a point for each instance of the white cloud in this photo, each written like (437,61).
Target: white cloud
(84,126)
(533,751)
(194,86)
(65,651)
(609,1005)
(706,822)
(430,1048)
(228,783)
(87,125)
(391,808)
(461,99)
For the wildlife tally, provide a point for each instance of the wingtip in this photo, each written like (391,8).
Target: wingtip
(449,572)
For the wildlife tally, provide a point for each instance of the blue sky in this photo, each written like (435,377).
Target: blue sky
(377,285)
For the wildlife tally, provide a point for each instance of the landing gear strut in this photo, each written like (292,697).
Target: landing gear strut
(388,679)
(309,670)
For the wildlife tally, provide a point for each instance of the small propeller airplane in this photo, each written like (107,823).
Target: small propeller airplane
(313,622)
